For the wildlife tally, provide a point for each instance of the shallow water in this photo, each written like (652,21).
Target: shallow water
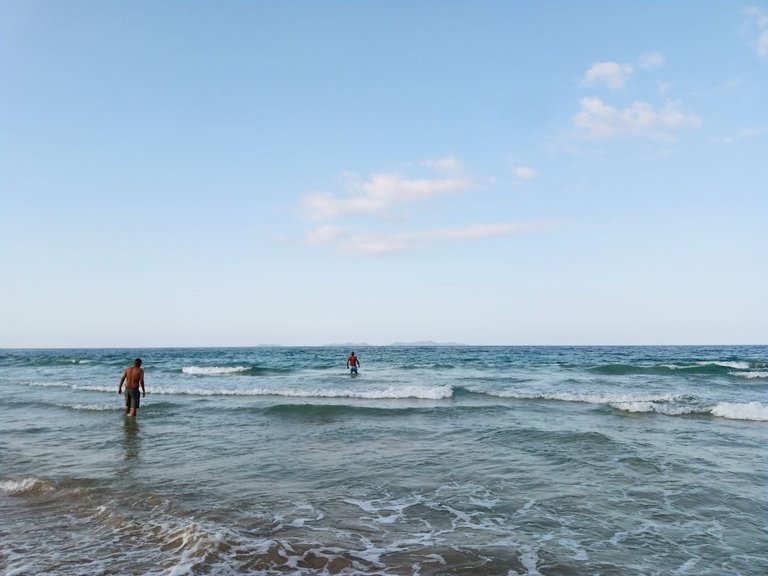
(465,460)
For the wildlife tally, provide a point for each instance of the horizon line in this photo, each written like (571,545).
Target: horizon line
(362,345)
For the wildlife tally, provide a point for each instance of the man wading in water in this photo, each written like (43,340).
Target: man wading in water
(352,364)
(133,378)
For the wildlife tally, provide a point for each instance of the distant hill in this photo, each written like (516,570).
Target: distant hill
(426,343)
(353,345)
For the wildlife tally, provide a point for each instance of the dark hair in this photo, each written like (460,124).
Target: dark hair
(137,361)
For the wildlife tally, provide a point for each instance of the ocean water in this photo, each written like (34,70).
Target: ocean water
(434,460)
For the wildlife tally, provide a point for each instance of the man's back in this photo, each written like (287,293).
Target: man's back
(133,377)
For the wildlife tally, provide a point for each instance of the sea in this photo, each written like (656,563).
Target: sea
(434,460)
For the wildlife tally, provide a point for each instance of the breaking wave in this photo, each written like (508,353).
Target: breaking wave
(231,370)
(418,392)
(704,368)
(588,398)
(736,411)
(749,375)
(214,370)
(25,486)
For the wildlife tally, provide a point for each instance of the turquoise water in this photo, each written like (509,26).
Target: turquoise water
(435,460)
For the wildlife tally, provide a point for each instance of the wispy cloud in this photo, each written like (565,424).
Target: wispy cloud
(600,121)
(615,75)
(324,234)
(650,60)
(611,74)
(743,134)
(759,18)
(403,242)
(448,165)
(525,173)
(381,192)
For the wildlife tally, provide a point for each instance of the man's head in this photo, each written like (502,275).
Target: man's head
(137,362)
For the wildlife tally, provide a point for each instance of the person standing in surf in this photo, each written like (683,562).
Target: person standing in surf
(352,364)
(133,378)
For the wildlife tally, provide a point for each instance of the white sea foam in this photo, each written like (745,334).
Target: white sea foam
(392,392)
(90,407)
(110,389)
(732,411)
(578,552)
(740,411)
(667,404)
(50,384)
(750,375)
(661,408)
(213,370)
(386,511)
(363,505)
(724,364)
(587,397)
(530,560)
(417,392)
(420,392)
(24,486)
(189,542)
(81,387)
(437,559)
(484,503)
(634,406)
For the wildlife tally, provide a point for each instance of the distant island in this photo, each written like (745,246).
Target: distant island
(426,343)
(423,343)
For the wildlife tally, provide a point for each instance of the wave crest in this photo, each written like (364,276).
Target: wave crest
(749,375)
(589,398)
(417,392)
(25,486)
(213,370)
(741,411)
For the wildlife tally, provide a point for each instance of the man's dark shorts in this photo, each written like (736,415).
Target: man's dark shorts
(132,397)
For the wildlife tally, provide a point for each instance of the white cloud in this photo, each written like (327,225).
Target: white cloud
(601,121)
(612,74)
(732,85)
(378,194)
(762,44)
(760,19)
(744,134)
(664,88)
(651,60)
(615,75)
(397,243)
(525,173)
(324,234)
(448,165)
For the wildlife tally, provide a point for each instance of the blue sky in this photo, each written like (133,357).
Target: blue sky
(300,173)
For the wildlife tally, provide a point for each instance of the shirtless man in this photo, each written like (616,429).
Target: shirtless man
(353,363)
(133,378)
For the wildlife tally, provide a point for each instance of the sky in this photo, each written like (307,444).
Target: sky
(242,173)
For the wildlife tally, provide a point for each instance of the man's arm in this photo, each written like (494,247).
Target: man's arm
(143,391)
(120,386)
